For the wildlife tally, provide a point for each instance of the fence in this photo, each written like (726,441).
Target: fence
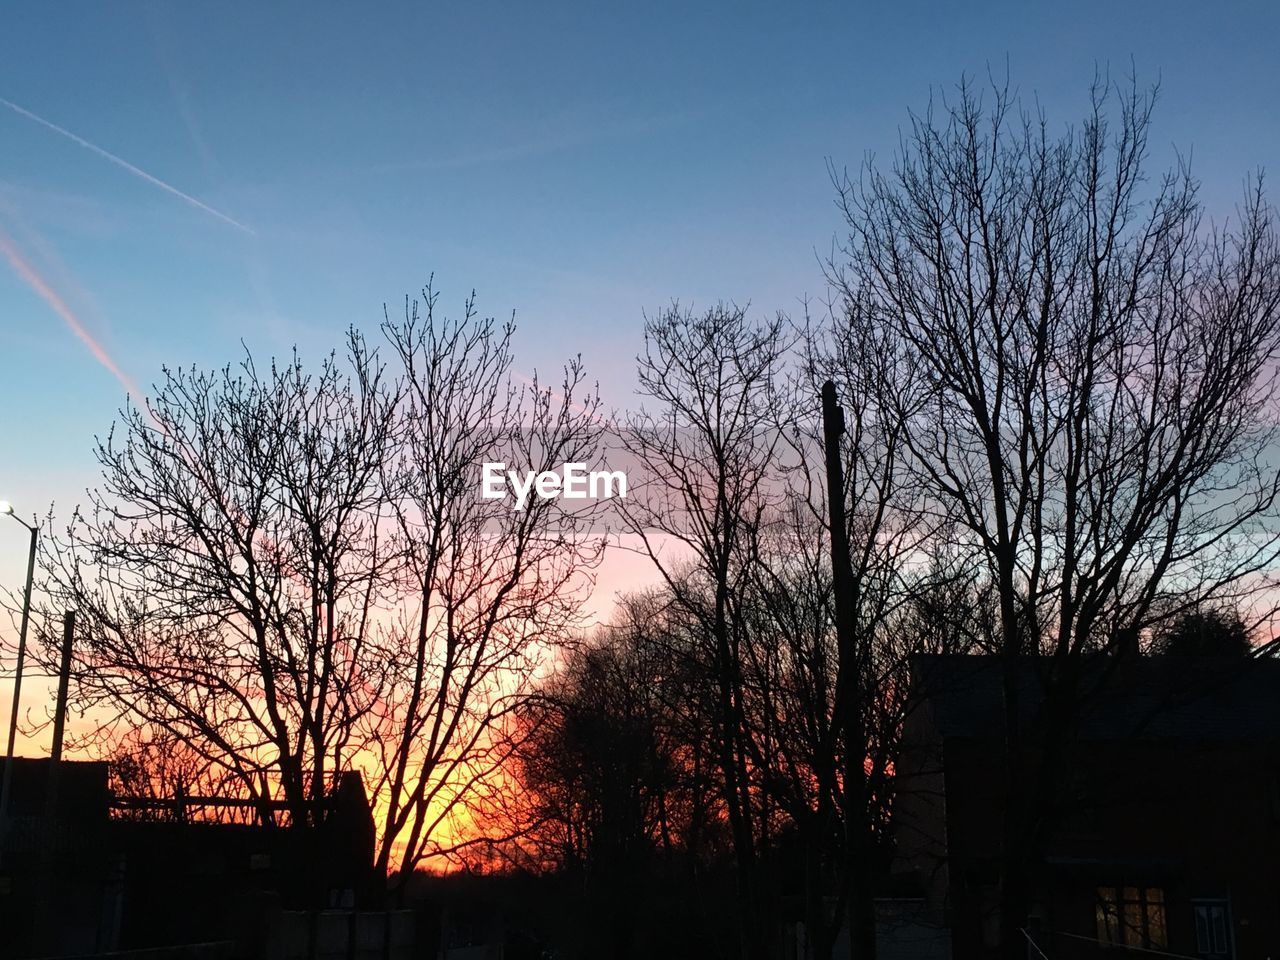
(342,935)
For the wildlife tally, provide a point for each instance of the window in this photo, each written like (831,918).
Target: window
(1131,917)
(1213,928)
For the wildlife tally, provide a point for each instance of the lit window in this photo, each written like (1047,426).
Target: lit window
(1131,917)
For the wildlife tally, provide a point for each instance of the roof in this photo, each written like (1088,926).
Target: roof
(81,789)
(1205,699)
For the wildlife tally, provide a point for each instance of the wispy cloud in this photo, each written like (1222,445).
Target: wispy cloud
(578,133)
(162,42)
(125,164)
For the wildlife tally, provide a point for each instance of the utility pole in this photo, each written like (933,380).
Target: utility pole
(54,846)
(64,681)
(848,704)
(7,782)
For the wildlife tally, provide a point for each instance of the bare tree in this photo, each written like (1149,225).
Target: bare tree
(825,716)
(228,566)
(601,758)
(708,451)
(297,575)
(733,480)
(484,587)
(1095,389)
(150,773)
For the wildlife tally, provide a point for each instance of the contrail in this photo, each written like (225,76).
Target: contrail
(155,181)
(24,269)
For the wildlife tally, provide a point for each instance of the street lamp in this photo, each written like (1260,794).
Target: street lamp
(7,508)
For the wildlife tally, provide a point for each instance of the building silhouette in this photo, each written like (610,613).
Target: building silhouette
(1162,839)
(82,873)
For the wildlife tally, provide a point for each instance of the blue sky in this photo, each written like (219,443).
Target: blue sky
(576,163)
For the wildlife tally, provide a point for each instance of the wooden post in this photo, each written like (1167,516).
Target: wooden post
(55,843)
(64,681)
(861,911)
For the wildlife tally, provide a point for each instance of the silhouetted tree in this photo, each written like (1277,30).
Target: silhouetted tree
(794,678)
(1090,393)
(155,771)
(605,792)
(601,759)
(1204,633)
(852,694)
(483,589)
(707,447)
(732,471)
(295,573)
(228,566)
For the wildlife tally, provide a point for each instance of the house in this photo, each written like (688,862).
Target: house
(82,872)
(1163,836)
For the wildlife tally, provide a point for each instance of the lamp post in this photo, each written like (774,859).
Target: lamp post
(7,508)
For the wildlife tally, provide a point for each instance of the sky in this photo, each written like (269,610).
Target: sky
(182,181)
